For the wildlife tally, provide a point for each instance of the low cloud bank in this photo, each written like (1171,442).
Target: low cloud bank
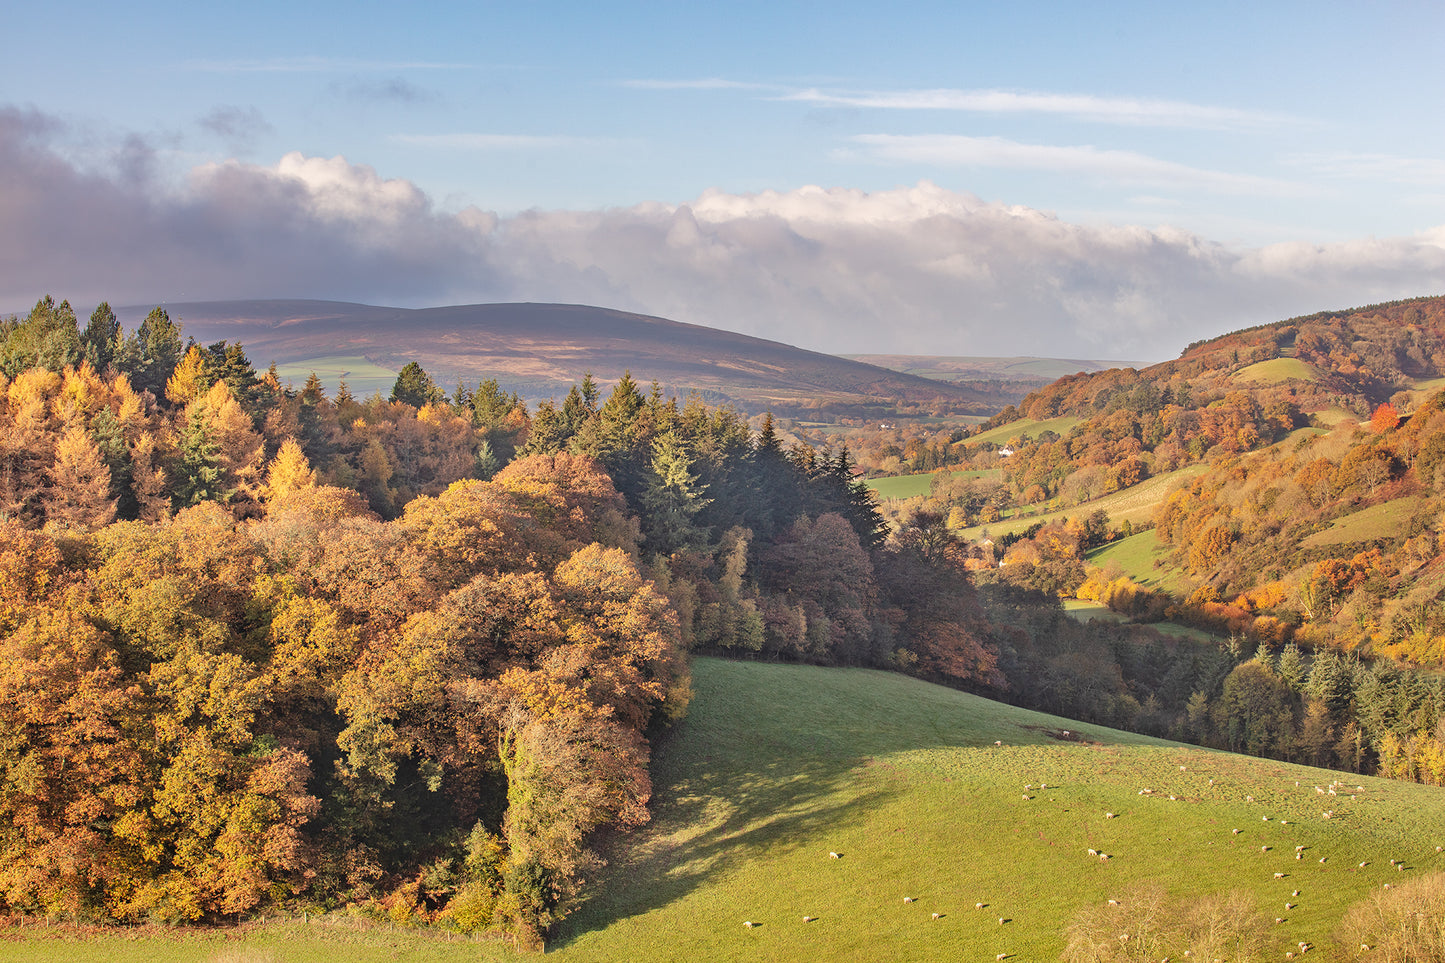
(912,270)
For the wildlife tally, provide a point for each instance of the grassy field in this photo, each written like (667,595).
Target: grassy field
(1136,556)
(1385,520)
(1027,428)
(911,486)
(1276,371)
(1086,611)
(1135,504)
(361,376)
(925,793)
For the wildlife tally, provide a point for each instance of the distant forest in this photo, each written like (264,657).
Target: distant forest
(265,647)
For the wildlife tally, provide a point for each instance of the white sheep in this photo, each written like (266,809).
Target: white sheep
(1299,849)
(1108,815)
(809,919)
(937,915)
(978,905)
(908,899)
(1295,893)
(835,856)
(1279,875)
(749,924)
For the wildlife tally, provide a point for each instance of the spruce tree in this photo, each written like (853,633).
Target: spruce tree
(672,500)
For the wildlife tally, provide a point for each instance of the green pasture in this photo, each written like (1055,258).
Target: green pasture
(911,486)
(1135,505)
(1027,428)
(1136,556)
(1386,520)
(361,376)
(924,793)
(1276,371)
(1086,611)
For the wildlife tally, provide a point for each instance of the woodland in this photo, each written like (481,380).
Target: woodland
(269,648)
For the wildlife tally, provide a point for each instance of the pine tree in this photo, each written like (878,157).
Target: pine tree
(199,474)
(101,337)
(415,387)
(672,500)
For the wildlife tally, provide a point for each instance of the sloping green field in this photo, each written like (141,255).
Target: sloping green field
(921,483)
(1276,371)
(1027,428)
(1136,557)
(1135,505)
(924,793)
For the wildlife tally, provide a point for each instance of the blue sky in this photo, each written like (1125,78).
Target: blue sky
(1050,178)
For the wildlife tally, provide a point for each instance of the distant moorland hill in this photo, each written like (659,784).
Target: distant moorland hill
(541,350)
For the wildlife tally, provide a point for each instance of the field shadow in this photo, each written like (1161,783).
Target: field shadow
(714,819)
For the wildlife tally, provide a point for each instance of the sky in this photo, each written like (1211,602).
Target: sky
(1093,181)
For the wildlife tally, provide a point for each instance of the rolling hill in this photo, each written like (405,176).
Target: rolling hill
(540,350)
(925,793)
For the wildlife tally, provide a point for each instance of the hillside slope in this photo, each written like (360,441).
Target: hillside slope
(926,793)
(540,350)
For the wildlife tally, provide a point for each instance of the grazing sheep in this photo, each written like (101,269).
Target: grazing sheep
(1113,902)
(1264,849)
(1279,875)
(978,905)
(1387,886)
(1108,815)
(1364,946)
(1299,855)
(1235,831)
(1279,919)
(1026,796)
(1400,867)
(1295,893)
(1289,954)
(835,855)
(1249,799)
(1289,906)
(937,915)
(749,924)
(1001,956)
(1323,858)
(809,919)
(908,899)
(1363,865)
(1264,819)
(1001,921)
(1299,849)
(1104,857)
(1394,862)
(1093,852)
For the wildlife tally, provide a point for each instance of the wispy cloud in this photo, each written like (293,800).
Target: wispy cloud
(294,65)
(1130,111)
(491,142)
(391,90)
(1121,166)
(706,83)
(237,126)
(1373,167)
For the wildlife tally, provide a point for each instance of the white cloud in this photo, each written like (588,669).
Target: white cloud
(1118,166)
(1131,111)
(914,270)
